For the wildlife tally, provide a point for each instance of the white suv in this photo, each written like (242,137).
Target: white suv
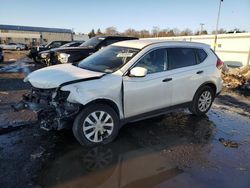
(124,82)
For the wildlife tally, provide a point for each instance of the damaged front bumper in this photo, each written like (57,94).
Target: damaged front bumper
(52,108)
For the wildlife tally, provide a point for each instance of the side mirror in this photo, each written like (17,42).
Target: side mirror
(138,72)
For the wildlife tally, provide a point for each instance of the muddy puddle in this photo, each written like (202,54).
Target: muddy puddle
(179,151)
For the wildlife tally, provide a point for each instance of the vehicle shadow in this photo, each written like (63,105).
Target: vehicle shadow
(145,154)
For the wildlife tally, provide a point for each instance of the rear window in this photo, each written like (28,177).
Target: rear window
(181,57)
(201,54)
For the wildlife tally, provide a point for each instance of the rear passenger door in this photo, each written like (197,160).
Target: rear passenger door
(187,67)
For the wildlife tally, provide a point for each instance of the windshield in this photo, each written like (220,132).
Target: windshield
(68,44)
(108,59)
(47,45)
(93,42)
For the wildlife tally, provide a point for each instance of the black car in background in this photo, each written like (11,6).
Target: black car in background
(43,56)
(35,50)
(1,55)
(76,54)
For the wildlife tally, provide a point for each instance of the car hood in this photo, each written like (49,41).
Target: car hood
(54,76)
(45,51)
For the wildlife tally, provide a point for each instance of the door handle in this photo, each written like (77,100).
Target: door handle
(200,72)
(167,79)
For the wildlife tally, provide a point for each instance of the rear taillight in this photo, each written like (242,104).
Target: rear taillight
(219,64)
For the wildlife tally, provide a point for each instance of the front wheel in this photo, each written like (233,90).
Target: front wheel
(36,59)
(202,101)
(96,124)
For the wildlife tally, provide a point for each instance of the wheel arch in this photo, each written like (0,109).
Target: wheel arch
(108,102)
(210,84)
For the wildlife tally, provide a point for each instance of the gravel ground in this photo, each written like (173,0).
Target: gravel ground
(179,150)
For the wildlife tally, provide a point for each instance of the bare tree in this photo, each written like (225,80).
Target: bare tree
(155,31)
(144,33)
(131,32)
(99,32)
(163,33)
(111,31)
(186,32)
(176,31)
(204,32)
(170,33)
(220,31)
(91,33)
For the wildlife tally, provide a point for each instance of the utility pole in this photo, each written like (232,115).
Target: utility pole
(72,34)
(217,25)
(201,24)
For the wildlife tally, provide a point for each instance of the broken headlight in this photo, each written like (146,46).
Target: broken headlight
(63,57)
(44,55)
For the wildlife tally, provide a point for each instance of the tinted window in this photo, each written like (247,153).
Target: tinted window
(181,57)
(54,45)
(93,42)
(76,44)
(110,41)
(202,55)
(155,61)
(71,44)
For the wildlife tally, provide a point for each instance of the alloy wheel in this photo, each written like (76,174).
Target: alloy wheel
(205,101)
(98,126)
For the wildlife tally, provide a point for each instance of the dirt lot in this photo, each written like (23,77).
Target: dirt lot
(181,150)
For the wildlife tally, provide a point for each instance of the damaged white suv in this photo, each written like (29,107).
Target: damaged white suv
(124,82)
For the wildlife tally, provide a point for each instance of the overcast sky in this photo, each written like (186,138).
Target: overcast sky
(83,15)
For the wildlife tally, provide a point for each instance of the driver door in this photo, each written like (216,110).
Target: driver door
(152,92)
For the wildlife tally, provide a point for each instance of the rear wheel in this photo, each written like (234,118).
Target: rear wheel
(96,124)
(202,101)
(18,49)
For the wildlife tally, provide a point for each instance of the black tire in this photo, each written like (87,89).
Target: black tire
(18,49)
(36,59)
(194,106)
(79,121)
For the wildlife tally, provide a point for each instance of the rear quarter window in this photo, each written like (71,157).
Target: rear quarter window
(201,55)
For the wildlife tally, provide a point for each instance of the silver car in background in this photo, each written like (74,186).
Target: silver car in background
(13,46)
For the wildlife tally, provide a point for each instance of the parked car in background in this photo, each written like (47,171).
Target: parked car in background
(124,82)
(33,54)
(44,56)
(72,44)
(13,46)
(1,55)
(25,45)
(76,54)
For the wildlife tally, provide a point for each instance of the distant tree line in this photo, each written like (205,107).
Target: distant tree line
(155,32)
